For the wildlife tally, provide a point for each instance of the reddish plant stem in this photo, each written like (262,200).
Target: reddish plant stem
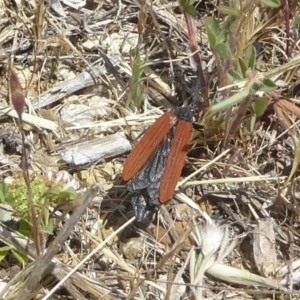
(194,48)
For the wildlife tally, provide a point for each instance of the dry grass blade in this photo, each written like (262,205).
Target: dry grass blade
(77,280)
(96,250)
(30,119)
(237,276)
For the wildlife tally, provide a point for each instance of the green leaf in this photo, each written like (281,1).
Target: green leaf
(257,87)
(221,38)
(19,256)
(188,6)
(136,85)
(25,228)
(11,198)
(212,27)
(250,57)
(228,10)
(242,68)
(48,228)
(2,197)
(68,194)
(220,121)
(271,3)
(267,85)
(250,125)
(191,10)
(4,251)
(261,105)
(53,191)
(236,98)
(3,192)
(226,28)
(224,51)
(234,76)
(185,3)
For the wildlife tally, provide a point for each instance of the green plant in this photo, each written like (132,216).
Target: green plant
(230,36)
(15,195)
(136,89)
(44,193)
(4,251)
